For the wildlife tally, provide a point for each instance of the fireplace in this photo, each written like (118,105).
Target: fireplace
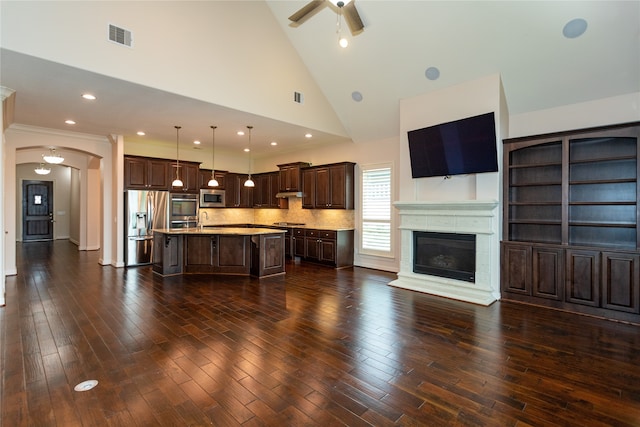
(479,281)
(445,255)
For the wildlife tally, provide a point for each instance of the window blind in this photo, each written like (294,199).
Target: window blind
(376,209)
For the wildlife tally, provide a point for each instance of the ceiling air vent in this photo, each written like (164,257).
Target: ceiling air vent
(298,97)
(120,35)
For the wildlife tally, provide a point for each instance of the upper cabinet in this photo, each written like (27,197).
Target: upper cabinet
(264,193)
(236,194)
(205,176)
(328,186)
(290,176)
(190,176)
(142,173)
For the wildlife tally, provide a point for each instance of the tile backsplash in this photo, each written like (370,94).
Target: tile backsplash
(331,218)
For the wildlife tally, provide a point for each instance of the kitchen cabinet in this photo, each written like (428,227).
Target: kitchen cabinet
(330,247)
(222,254)
(142,173)
(264,193)
(190,176)
(329,186)
(290,176)
(236,194)
(298,242)
(205,176)
(570,233)
(167,254)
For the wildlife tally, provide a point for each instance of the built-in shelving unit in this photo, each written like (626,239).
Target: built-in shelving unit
(571,214)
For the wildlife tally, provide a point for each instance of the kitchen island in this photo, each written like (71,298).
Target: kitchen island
(257,252)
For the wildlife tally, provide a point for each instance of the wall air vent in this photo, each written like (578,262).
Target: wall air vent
(120,35)
(298,97)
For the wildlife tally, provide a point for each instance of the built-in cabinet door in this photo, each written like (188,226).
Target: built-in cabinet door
(548,273)
(158,177)
(201,253)
(308,188)
(621,282)
(516,269)
(327,251)
(583,277)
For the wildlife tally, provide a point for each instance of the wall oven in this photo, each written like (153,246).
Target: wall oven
(211,198)
(183,210)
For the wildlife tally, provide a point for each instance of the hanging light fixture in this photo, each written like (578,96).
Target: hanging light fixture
(177,182)
(213,182)
(342,41)
(42,170)
(53,157)
(249,182)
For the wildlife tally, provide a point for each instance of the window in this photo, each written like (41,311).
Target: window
(376,210)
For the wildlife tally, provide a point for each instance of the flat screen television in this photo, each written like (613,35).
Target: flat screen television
(460,147)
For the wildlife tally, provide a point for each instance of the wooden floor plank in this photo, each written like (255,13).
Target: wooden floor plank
(315,347)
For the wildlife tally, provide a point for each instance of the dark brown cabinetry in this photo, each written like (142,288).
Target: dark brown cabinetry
(205,176)
(264,193)
(290,176)
(328,186)
(142,173)
(236,194)
(189,174)
(570,236)
(223,254)
(330,247)
(167,254)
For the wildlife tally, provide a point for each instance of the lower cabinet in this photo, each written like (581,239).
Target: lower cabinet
(203,254)
(167,254)
(267,255)
(589,281)
(330,247)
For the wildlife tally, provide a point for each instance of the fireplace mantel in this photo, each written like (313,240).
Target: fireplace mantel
(479,217)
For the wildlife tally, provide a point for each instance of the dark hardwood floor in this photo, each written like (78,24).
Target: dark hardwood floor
(317,347)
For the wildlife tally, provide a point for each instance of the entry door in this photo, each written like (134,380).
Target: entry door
(37,210)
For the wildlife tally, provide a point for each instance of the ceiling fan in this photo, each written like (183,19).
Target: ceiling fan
(346,7)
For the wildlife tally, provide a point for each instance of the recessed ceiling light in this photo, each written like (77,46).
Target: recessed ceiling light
(274,143)
(574,28)
(196,142)
(308,135)
(246,150)
(356,96)
(432,73)
(240,133)
(70,122)
(140,133)
(89,96)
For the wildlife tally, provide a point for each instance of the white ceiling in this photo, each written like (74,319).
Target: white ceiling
(521,40)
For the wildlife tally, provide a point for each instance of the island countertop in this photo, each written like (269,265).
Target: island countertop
(238,231)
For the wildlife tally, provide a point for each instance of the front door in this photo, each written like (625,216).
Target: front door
(37,210)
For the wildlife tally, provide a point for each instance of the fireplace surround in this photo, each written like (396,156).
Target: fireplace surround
(473,217)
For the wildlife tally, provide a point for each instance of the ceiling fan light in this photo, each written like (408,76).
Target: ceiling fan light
(343,42)
(344,2)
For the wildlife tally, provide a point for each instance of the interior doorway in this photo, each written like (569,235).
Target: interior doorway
(37,210)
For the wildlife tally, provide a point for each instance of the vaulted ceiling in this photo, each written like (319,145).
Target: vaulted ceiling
(234,63)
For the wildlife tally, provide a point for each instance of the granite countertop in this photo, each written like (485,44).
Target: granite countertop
(286,226)
(243,231)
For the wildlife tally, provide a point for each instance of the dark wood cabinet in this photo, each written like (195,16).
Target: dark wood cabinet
(222,254)
(189,173)
(264,193)
(205,176)
(331,247)
(267,255)
(236,194)
(142,173)
(329,186)
(291,176)
(167,254)
(298,242)
(570,233)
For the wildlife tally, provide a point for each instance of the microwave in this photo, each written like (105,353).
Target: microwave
(211,198)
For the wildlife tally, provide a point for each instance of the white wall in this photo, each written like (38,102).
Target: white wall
(74,207)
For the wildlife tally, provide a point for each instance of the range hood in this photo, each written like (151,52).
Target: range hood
(286,194)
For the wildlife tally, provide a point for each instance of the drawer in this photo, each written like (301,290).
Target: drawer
(298,232)
(327,234)
(311,233)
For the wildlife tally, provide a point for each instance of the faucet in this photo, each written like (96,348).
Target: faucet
(206,215)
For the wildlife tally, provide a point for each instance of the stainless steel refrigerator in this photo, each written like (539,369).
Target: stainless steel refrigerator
(144,210)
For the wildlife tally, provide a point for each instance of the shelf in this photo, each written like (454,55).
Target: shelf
(603,181)
(602,159)
(537,184)
(601,224)
(534,221)
(535,165)
(594,203)
(535,203)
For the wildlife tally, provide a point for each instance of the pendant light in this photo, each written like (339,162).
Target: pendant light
(213,182)
(53,157)
(177,182)
(249,182)
(342,41)
(42,170)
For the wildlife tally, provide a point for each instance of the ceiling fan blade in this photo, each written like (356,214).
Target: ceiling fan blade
(352,17)
(306,11)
